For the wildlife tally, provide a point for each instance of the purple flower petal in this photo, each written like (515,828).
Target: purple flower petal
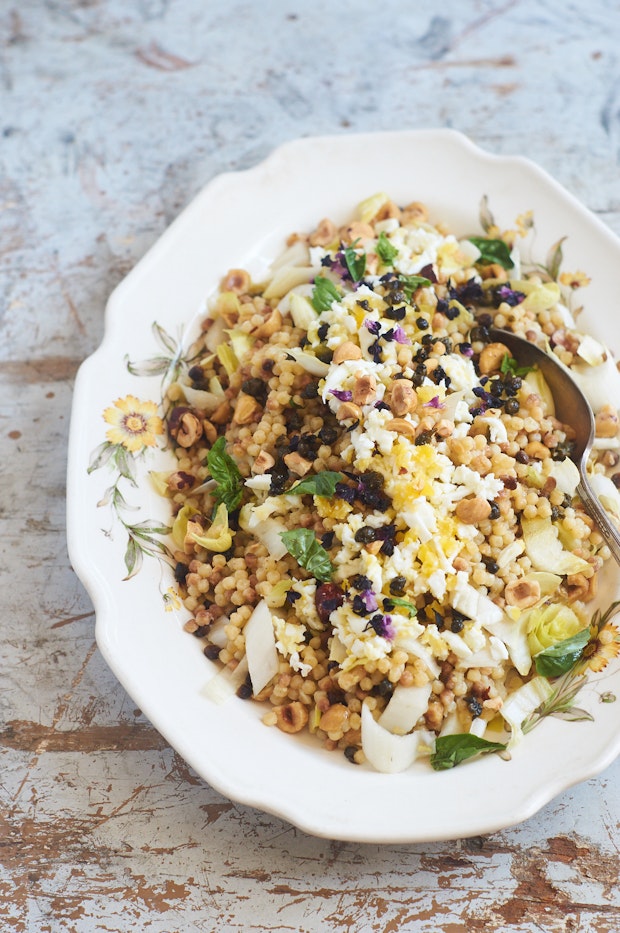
(343,395)
(388,628)
(400,336)
(373,326)
(509,295)
(383,626)
(434,403)
(339,266)
(370,600)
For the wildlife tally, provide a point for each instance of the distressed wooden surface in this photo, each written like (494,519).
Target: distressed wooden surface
(112,115)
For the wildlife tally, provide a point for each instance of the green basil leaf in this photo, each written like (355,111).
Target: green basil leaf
(304,547)
(411,283)
(386,251)
(323,293)
(510,365)
(492,251)
(319,484)
(225,472)
(560,658)
(451,750)
(355,262)
(405,604)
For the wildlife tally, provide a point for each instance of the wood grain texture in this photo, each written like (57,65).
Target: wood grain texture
(112,116)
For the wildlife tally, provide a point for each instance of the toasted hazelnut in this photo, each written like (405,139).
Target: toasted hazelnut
(357,231)
(193,528)
(364,388)
(348,410)
(210,431)
(263,462)
(346,351)
(387,211)
(578,586)
(491,357)
(222,413)
(606,422)
(474,510)
(403,398)
(292,717)
(324,234)
(522,593)
(272,324)
(444,428)
(415,211)
(297,464)
(335,718)
(401,427)
(296,238)
(247,409)
(180,481)
(425,424)
(236,280)
(185,427)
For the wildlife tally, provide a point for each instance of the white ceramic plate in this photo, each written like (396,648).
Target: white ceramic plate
(242,219)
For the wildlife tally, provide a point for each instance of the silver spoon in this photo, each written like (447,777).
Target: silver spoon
(571,407)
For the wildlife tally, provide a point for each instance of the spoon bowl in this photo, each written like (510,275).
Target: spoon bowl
(572,408)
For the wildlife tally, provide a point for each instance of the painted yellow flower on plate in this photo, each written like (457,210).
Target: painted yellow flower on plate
(134,424)
(575,279)
(602,649)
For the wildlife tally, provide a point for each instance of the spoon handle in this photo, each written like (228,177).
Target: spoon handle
(595,510)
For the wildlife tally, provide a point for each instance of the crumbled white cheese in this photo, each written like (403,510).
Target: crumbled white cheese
(305,606)
(421,518)
(317,253)
(437,583)
(290,641)
(497,430)
(373,432)
(432,638)
(474,637)
(472,483)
